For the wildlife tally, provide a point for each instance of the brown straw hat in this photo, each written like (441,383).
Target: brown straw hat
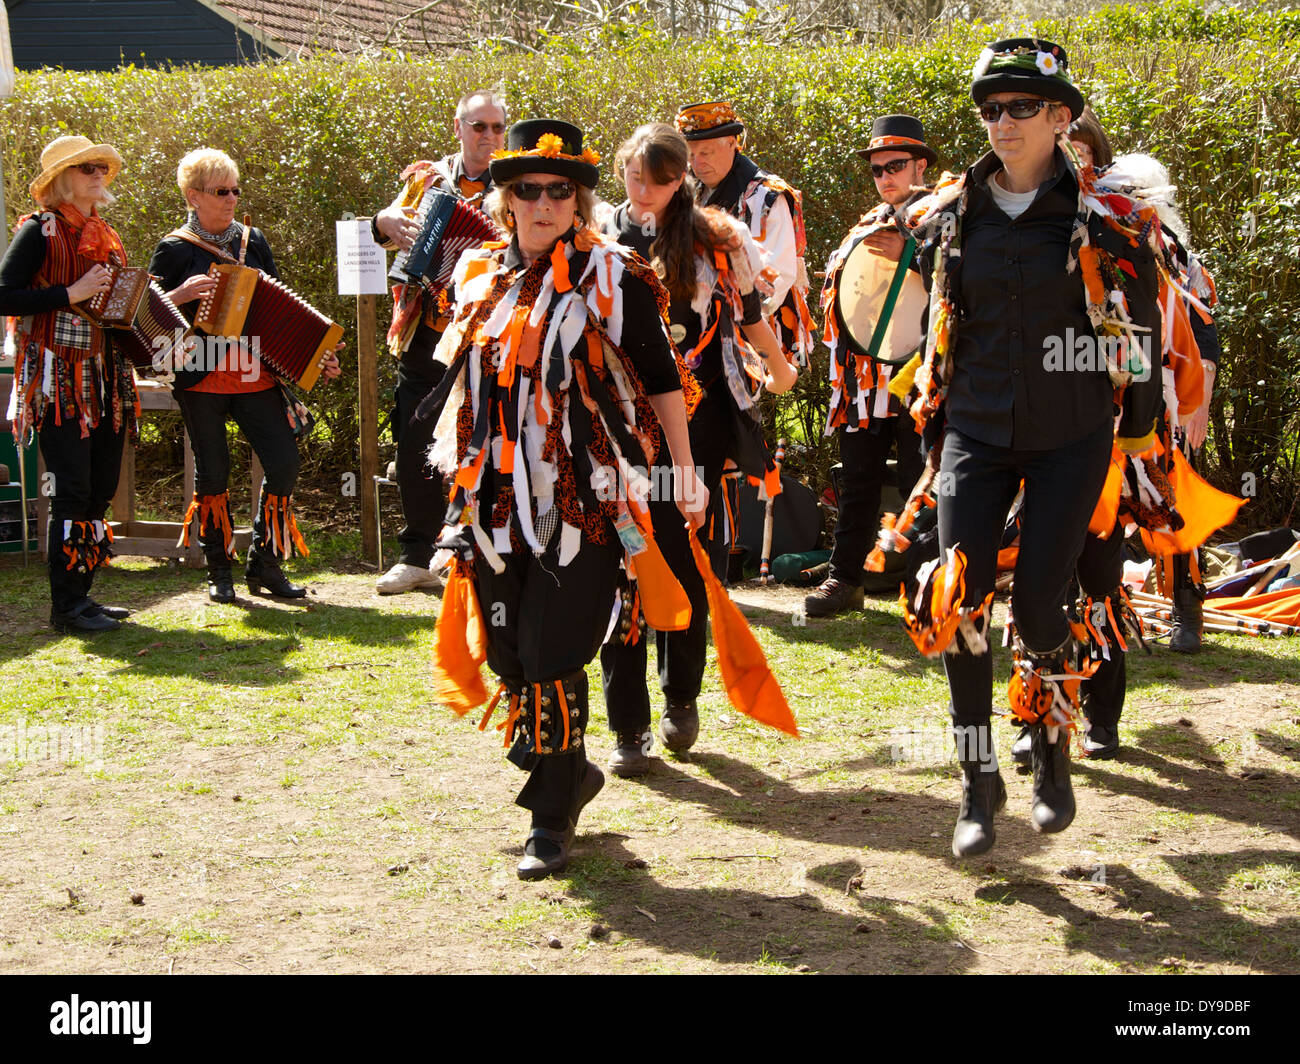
(66,152)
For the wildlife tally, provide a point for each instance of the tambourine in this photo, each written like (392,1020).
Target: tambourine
(879,304)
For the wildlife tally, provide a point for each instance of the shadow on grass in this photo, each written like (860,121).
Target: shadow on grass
(866,818)
(735,926)
(204,652)
(1151,925)
(1205,791)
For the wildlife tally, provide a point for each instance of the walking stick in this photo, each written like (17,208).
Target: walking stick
(765,564)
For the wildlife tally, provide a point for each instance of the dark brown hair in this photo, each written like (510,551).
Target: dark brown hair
(664,155)
(1088,129)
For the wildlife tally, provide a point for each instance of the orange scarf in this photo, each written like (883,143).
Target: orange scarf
(98,240)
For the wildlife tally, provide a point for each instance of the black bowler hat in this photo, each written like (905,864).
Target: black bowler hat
(899,133)
(1026,64)
(545,146)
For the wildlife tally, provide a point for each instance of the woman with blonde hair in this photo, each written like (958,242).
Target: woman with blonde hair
(221,382)
(71,384)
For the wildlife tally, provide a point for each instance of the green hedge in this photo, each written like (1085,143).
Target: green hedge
(1215,96)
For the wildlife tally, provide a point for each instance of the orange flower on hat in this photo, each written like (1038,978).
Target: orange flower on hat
(549,145)
(591,156)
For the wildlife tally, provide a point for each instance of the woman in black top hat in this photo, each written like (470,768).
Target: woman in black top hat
(560,376)
(1021,269)
(707,260)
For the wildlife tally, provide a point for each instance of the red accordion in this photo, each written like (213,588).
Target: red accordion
(290,336)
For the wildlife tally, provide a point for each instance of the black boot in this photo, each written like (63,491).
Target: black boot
(1053,808)
(680,725)
(221,582)
(834,596)
(263,571)
(983,794)
(72,554)
(1185,635)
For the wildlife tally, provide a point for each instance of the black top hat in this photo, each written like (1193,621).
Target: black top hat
(1026,64)
(545,146)
(899,133)
(705,121)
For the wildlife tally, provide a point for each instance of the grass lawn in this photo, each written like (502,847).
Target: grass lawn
(272,789)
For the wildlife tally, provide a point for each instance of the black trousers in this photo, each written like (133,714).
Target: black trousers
(419,486)
(1100,569)
(84,472)
(262,419)
(977,485)
(863,454)
(545,621)
(681,654)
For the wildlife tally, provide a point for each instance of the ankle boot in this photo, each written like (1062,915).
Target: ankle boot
(1185,635)
(263,571)
(221,582)
(983,794)
(1053,808)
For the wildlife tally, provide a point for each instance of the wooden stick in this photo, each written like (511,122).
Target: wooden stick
(1278,564)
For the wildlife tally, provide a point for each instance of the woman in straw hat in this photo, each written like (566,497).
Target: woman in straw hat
(1043,299)
(560,375)
(71,386)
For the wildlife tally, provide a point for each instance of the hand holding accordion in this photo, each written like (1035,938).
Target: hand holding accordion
(291,337)
(145,324)
(449,226)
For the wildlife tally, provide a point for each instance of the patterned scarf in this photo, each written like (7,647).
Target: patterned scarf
(226,239)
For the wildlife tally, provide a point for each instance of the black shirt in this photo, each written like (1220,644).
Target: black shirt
(1018,306)
(21,263)
(682,317)
(176,260)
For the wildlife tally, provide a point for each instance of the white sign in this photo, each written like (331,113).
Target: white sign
(6,57)
(363,266)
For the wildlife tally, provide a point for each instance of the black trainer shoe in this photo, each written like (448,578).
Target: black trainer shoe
(834,596)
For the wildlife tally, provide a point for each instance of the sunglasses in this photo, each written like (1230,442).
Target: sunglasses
(223,192)
(559,191)
(1017,109)
(894,166)
(93,168)
(480,127)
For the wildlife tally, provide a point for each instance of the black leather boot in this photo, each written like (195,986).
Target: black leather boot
(834,596)
(631,757)
(983,794)
(263,571)
(1185,635)
(221,582)
(1053,808)
(680,725)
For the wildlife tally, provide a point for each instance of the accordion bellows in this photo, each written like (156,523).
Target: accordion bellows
(145,324)
(448,227)
(290,336)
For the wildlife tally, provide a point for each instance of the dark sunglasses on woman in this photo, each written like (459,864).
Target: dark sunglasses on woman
(991,111)
(224,192)
(559,191)
(93,168)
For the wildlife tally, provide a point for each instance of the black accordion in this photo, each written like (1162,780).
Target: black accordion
(448,227)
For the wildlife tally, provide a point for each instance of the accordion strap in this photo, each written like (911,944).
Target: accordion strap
(185,234)
(243,243)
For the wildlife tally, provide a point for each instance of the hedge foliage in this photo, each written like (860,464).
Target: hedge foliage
(1215,96)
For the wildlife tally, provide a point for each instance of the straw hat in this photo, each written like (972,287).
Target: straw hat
(66,152)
